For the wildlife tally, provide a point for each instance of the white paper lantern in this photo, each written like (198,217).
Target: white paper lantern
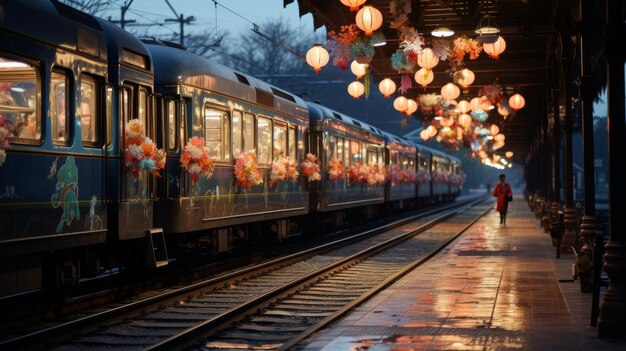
(356,89)
(358,69)
(427,59)
(466,77)
(369,19)
(517,102)
(495,49)
(353,4)
(400,103)
(450,91)
(387,87)
(317,57)
(411,107)
(424,77)
(476,104)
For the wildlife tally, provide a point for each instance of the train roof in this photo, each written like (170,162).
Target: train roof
(319,113)
(125,47)
(391,138)
(174,65)
(73,30)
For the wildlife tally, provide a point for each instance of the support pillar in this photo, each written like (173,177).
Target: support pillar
(569,213)
(613,305)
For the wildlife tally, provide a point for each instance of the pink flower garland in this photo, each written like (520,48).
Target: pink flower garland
(311,168)
(141,152)
(246,170)
(283,169)
(335,169)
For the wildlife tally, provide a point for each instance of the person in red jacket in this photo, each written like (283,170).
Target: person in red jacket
(503,193)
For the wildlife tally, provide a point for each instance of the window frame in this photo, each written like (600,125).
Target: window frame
(235,137)
(172,130)
(225,116)
(252,117)
(68,94)
(271,140)
(292,128)
(95,114)
(285,128)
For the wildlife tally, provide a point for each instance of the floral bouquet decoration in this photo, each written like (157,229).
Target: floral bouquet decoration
(247,171)
(335,169)
(283,169)
(396,174)
(358,173)
(377,174)
(196,161)
(311,168)
(423,176)
(141,152)
(457,179)
(409,176)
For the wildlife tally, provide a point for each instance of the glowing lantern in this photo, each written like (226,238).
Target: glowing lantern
(503,111)
(517,102)
(411,106)
(499,145)
(356,89)
(317,57)
(495,49)
(459,133)
(476,104)
(466,78)
(387,87)
(424,134)
(508,154)
(353,4)
(482,154)
(494,130)
(463,106)
(368,19)
(432,131)
(427,59)
(446,122)
(499,138)
(486,104)
(358,69)
(400,103)
(465,120)
(450,91)
(424,77)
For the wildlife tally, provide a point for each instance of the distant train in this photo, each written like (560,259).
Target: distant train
(76,195)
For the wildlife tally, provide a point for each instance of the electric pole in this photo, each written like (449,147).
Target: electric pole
(181,20)
(122,21)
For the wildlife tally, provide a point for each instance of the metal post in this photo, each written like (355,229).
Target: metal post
(569,213)
(613,306)
(587,228)
(556,143)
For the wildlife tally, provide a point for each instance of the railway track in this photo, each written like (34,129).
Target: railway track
(289,293)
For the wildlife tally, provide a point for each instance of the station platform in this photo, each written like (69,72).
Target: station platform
(494,288)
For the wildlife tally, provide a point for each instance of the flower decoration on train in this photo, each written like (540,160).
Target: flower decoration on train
(141,153)
(311,168)
(334,169)
(5,133)
(409,176)
(283,169)
(396,174)
(458,179)
(376,174)
(423,176)
(439,177)
(358,173)
(246,170)
(196,161)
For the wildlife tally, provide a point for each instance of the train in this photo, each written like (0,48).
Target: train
(82,105)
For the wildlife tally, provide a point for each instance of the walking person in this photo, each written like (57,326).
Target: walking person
(503,193)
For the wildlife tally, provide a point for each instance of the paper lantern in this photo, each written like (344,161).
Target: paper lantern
(494,130)
(517,102)
(450,91)
(369,19)
(400,103)
(499,137)
(353,4)
(465,120)
(476,104)
(356,89)
(427,59)
(498,145)
(424,134)
(424,77)
(317,57)
(387,87)
(508,154)
(358,69)
(463,106)
(432,131)
(411,106)
(466,77)
(495,49)
(503,111)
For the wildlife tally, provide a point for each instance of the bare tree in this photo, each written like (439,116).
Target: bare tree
(92,7)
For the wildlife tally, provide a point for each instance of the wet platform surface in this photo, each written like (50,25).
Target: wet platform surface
(494,288)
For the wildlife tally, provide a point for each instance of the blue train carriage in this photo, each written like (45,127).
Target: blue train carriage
(359,149)
(456,178)
(52,136)
(131,125)
(424,174)
(440,175)
(235,116)
(400,154)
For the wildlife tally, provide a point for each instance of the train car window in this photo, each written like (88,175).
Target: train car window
(125,103)
(292,144)
(248,132)
(59,114)
(226,131)
(171,125)
(182,122)
(109,112)
(332,147)
(213,131)
(346,152)
(89,116)
(394,157)
(142,108)
(280,141)
(237,127)
(264,139)
(19,100)
(355,152)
